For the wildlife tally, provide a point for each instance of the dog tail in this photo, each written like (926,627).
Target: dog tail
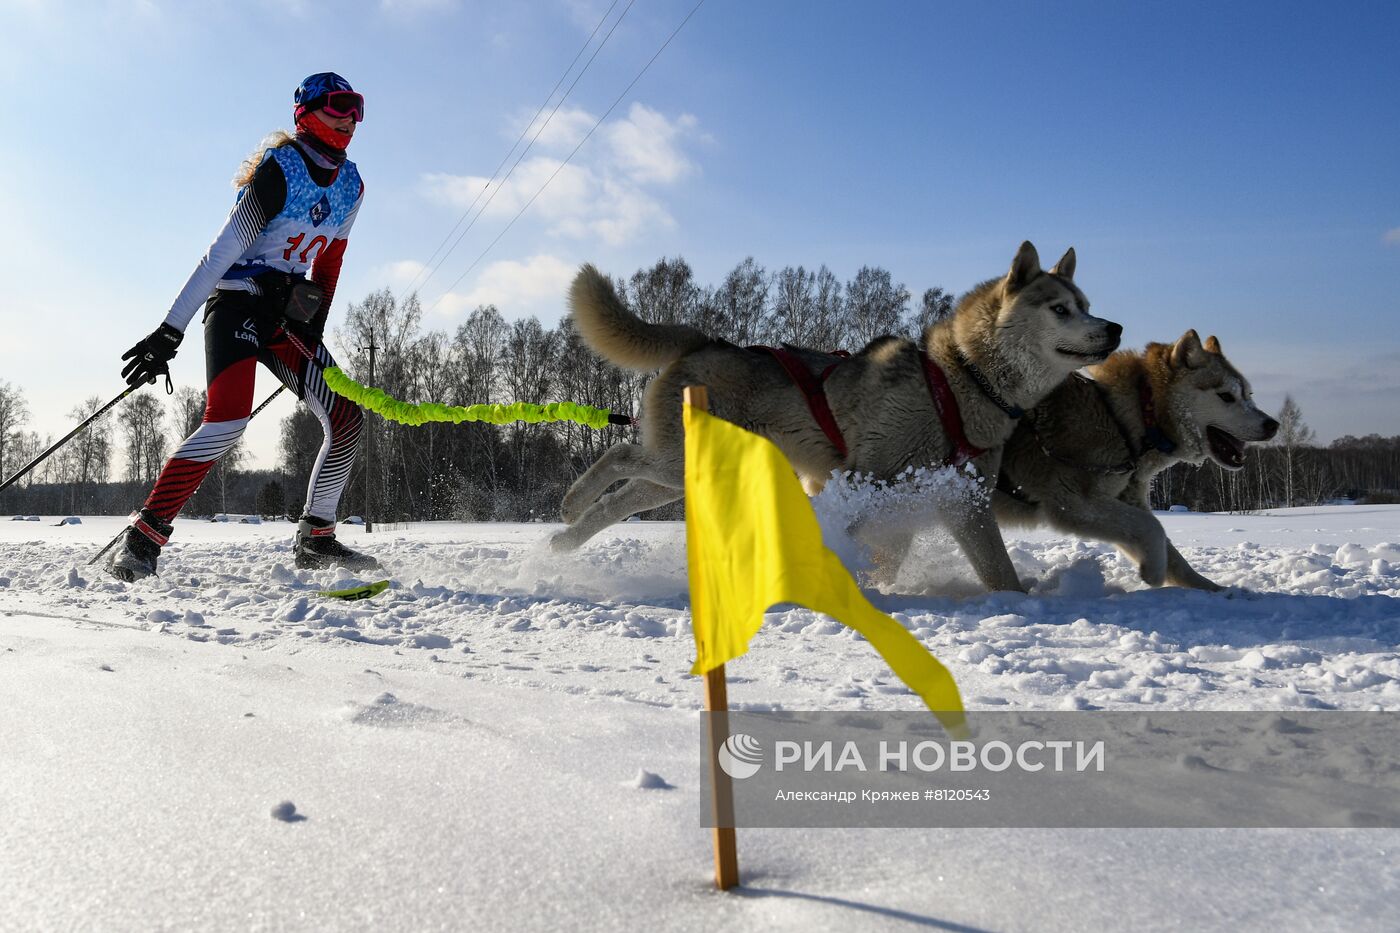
(618,335)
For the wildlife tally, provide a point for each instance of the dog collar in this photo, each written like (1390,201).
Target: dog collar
(1014,412)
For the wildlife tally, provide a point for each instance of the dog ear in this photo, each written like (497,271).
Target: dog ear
(1213,345)
(1187,353)
(1024,267)
(1065,267)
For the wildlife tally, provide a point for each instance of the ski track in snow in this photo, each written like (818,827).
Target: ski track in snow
(507,738)
(1304,626)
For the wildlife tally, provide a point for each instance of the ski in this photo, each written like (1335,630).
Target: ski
(357,592)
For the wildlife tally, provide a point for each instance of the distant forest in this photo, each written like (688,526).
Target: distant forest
(476,472)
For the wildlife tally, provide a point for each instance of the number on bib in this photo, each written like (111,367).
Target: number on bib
(318,244)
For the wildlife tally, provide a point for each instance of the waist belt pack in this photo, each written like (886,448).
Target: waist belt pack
(298,298)
(303,301)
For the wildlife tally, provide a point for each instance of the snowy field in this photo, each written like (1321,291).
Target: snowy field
(465,750)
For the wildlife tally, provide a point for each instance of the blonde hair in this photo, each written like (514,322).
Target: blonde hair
(274,140)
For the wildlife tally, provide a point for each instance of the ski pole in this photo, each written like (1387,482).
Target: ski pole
(99,413)
(67,437)
(108,546)
(266,402)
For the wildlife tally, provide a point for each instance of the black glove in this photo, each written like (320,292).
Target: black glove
(151,357)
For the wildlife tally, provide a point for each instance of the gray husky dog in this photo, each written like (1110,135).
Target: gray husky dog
(892,406)
(1083,460)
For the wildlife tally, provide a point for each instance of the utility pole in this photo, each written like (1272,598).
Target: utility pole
(369,436)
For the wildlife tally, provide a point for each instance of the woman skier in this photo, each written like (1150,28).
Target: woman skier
(297,200)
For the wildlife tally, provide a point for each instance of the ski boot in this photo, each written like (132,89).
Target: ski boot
(135,554)
(316,548)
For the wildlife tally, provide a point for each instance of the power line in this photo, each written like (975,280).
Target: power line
(545,103)
(566,161)
(524,152)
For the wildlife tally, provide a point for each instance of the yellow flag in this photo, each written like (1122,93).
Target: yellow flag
(753,541)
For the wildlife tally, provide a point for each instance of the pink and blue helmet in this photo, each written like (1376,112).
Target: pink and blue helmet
(329,91)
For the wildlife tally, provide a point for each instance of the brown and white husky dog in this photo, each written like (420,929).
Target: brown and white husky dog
(1082,461)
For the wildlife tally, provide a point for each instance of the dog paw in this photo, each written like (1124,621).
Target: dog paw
(562,542)
(1153,570)
(884,568)
(1196,582)
(569,511)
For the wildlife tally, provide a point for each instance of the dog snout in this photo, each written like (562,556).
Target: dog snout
(1270,428)
(1115,333)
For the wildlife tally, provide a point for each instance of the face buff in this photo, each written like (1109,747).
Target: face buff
(321,137)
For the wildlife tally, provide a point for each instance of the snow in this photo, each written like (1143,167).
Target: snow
(509,737)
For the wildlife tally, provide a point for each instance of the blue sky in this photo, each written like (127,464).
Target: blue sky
(1229,167)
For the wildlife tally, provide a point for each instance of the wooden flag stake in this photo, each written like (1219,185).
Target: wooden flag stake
(717,706)
(726,847)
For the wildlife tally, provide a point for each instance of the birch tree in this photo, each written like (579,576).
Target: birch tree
(1292,435)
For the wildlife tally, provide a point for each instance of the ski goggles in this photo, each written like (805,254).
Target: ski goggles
(341,104)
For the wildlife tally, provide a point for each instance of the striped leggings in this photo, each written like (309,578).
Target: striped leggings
(238,334)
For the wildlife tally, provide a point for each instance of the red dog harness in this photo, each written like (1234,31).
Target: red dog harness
(812,390)
(944,402)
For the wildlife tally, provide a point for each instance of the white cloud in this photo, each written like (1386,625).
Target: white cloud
(567,194)
(1392,236)
(620,213)
(607,193)
(578,204)
(399,275)
(517,289)
(644,145)
(453,190)
(558,132)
